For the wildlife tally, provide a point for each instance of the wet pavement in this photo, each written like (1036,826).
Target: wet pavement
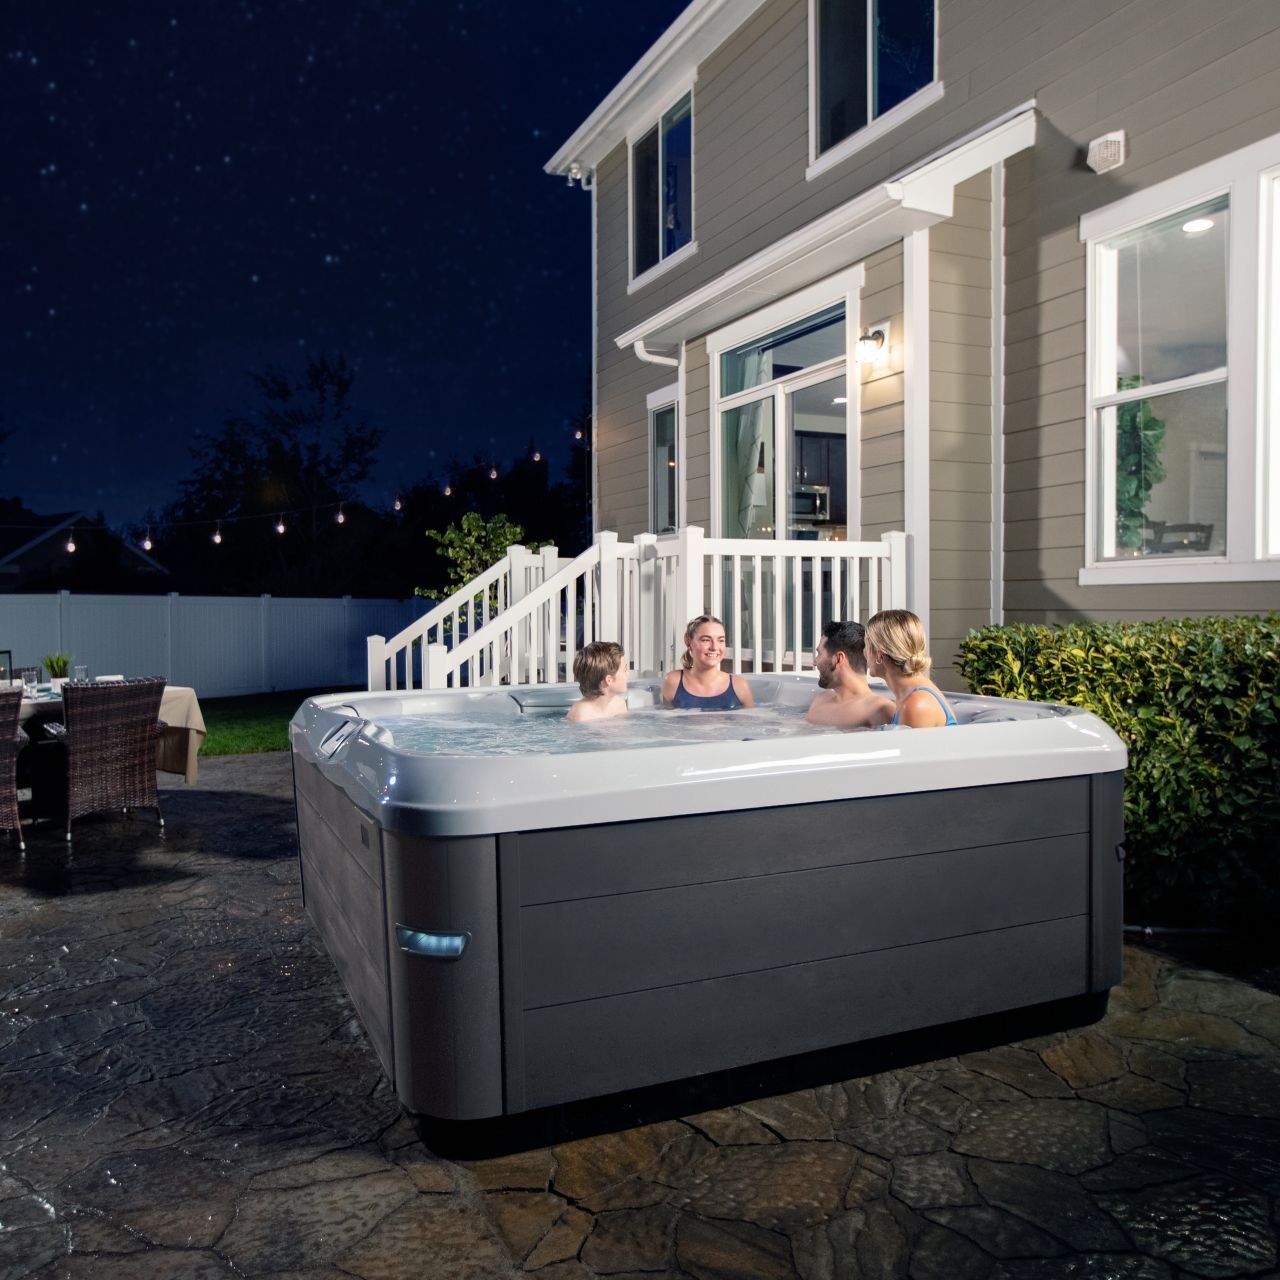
(185,1092)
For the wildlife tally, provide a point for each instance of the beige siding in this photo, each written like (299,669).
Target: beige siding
(697,394)
(881,400)
(960,424)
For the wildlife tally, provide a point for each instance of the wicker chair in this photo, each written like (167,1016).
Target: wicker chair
(111,732)
(12,740)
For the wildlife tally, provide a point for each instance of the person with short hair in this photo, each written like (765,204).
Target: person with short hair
(600,668)
(700,685)
(897,652)
(845,700)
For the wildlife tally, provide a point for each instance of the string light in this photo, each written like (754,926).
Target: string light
(537,457)
(146,542)
(577,435)
(71,541)
(340,517)
(396,505)
(448,491)
(280,524)
(493,473)
(217,535)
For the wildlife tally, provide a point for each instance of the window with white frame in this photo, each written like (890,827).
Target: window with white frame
(1182,477)
(662,188)
(869,57)
(664,462)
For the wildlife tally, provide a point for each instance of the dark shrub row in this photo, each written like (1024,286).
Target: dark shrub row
(1197,702)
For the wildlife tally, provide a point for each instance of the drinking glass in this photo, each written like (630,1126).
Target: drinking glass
(30,678)
(80,672)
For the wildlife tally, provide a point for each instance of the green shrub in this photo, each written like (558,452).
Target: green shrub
(1197,703)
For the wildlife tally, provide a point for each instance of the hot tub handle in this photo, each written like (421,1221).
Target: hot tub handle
(436,946)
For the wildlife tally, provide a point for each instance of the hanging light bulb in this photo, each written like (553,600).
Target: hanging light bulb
(577,435)
(448,491)
(146,542)
(340,517)
(493,473)
(396,505)
(71,541)
(537,457)
(280,524)
(217,535)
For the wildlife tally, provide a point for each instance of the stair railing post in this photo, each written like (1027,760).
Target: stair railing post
(690,587)
(376,662)
(608,619)
(550,612)
(434,657)
(895,580)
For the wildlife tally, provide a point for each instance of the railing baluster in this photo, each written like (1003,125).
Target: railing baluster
(757,614)
(735,578)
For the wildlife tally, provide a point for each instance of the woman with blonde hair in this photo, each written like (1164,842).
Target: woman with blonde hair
(700,685)
(896,651)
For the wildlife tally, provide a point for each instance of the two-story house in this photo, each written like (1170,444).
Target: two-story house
(1002,273)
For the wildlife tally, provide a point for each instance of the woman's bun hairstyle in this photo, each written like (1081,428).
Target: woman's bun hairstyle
(899,635)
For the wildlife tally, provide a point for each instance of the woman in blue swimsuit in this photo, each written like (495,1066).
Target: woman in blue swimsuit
(700,685)
(895,648)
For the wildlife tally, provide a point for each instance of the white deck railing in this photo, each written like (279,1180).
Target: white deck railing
(531,618)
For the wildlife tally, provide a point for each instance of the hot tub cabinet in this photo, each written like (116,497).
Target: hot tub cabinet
(518,931)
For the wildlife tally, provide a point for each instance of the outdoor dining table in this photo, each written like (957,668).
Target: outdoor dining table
(184,730)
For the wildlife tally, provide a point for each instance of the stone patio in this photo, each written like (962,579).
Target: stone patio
(185,1092)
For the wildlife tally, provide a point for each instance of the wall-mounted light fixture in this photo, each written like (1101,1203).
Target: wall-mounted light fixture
(873,344)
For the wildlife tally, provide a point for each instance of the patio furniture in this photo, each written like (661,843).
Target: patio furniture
(111,732)
(12,740)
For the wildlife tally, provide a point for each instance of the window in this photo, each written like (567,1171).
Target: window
(1182,482)
(872,61)
(662,188)
(664,462)
(784,415)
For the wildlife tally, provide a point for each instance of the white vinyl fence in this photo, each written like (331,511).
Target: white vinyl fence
(219,645)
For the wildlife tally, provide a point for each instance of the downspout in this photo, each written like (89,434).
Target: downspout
(651,357)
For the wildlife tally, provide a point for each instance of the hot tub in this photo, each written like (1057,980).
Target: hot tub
(527,912)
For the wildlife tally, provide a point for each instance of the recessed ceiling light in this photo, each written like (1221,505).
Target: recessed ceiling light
(1197,226)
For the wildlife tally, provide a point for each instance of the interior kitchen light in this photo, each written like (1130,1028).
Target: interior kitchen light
(1197,226)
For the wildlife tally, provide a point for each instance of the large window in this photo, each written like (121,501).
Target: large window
(1182,483)
(782,461)
(870,60)
(662,188)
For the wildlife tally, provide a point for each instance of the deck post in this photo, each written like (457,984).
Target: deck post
(894,581)
(434,657)
(608,618)
(376,662)
(647,623)
(550,618)
(690,588)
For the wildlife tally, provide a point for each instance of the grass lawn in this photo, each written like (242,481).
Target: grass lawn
(257,722)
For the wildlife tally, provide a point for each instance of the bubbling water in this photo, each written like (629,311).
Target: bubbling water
(475,734)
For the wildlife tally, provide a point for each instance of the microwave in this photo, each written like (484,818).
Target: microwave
(811,502)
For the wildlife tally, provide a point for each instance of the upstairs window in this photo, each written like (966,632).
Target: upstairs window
(662,188)
(869,56)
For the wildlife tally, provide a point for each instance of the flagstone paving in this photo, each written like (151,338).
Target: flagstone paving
(186,1093)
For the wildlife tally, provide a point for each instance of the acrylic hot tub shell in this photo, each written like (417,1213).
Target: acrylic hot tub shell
(641,916)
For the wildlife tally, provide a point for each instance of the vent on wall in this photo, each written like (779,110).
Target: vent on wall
(1107,152)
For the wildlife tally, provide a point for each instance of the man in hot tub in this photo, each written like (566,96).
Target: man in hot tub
(846,700)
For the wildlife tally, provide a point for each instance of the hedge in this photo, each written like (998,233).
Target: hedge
(1197,703)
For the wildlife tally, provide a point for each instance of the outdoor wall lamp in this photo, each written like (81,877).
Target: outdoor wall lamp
(869,345)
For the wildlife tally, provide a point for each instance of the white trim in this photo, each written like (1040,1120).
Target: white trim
(804,303)
(667,397)
(662,266)
(1208,569)
(694,36)
(1268,357)
(682,445)
(915,419)
(997,393)
(892,119)
(1251,500)
(645,123)
(847,234)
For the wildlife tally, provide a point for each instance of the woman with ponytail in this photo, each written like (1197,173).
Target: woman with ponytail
(700,685)
(896,651)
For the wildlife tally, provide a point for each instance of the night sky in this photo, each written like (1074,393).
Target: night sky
(197,191)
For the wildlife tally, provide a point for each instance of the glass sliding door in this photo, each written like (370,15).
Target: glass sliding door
(817,461)
(664,480)
(747,461)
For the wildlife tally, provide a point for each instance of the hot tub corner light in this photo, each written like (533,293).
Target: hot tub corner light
(440,946)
